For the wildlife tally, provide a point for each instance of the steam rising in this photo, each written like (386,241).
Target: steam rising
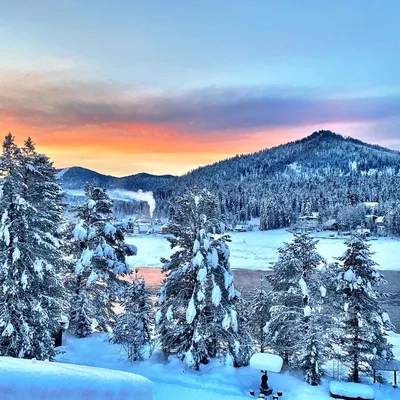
(125,195)
(137,196)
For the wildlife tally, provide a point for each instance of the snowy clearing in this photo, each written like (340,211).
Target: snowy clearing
(173,380)
(30,379)
(257,250)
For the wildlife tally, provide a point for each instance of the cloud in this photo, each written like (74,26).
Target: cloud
(49,100)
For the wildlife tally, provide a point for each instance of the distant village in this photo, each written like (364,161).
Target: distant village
(312,223)
(373,225)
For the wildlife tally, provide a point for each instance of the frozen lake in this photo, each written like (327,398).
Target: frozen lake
(256,250)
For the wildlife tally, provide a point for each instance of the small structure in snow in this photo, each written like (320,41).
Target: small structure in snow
(312,217)
(392,366)
(330,225)
(267,362)
(351,390)
(370,204)
(165,230)
(308,222)
(241,228)
(264,388)
(364,232)
(58,336)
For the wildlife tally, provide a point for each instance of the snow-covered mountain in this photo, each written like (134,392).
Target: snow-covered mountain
(319,155)
(76,177)
(323,172)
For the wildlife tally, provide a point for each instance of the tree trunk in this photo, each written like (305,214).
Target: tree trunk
(356,377)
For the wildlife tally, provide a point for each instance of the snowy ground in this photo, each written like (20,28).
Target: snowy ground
(257,250)
(173,381)
(30,379)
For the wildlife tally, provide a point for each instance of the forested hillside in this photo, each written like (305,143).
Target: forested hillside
(324,172)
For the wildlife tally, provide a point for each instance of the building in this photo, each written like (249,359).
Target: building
(308,222)
(165,230)
(241,228)
(330,225)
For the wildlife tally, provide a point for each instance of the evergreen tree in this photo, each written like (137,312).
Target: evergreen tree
(133,330)
(361,319)
(317,325)
(100,264)
(197,319)
(32,300)
(259,314)
(292,289)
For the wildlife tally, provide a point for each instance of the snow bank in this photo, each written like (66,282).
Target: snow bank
(30,379)
(173,380)
(351,390)
(265,361)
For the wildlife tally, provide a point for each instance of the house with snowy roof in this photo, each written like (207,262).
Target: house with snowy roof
(241,228)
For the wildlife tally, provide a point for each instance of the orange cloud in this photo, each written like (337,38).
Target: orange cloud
(115,130)
(122,149)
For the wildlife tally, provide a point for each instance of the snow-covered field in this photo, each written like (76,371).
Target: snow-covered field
(216,381)
(257,250)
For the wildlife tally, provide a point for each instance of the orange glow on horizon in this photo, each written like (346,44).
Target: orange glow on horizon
(123,149)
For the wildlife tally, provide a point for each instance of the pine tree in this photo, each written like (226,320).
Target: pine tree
(100,264)
(32,300)
(133,330)
(259,314)
(292,289)
(361,319)
(317,323)
(197,319)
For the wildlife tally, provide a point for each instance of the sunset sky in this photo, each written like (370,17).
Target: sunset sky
(163,86)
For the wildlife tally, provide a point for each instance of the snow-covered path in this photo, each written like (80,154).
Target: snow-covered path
(257,250)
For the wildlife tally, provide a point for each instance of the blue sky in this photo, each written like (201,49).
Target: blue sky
(166,53)
(333,44)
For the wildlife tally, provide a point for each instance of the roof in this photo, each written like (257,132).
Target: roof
(393,365)
(313,216)
(371,204)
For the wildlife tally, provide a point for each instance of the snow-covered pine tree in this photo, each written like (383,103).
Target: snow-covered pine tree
(259,314)
(361,319)
(32,300)
(292,288)
(317,325)
(133,328)
(197,319)
(100,264)
(246,342)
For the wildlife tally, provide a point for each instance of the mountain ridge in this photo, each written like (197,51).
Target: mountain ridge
(324,172)
(316,136)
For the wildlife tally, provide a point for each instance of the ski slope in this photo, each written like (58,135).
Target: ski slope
(257,250)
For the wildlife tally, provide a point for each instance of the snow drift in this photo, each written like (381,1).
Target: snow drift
(351,390)
(30,379)
(265,361)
